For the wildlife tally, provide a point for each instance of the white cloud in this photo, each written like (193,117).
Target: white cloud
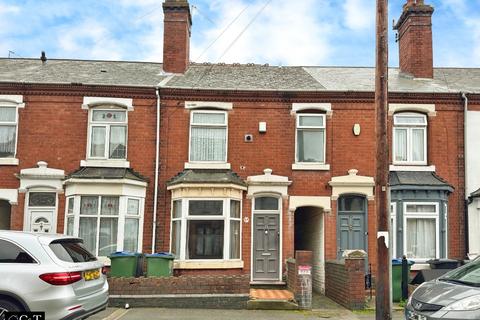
(88,39)
(285,32)
(359,14)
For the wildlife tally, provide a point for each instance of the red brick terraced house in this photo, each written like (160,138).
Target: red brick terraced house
(235,167)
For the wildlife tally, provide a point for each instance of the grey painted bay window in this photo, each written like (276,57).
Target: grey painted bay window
(206,229)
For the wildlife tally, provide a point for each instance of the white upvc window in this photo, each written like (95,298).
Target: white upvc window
(208,136)
(106,223)
(107,133)
(206,229)
(410,138)
(70,218)
(393,229)
(421,230)
(8,131)
(310,138)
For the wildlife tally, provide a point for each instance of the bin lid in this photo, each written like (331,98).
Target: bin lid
(397,262)
(440,261)
(164,255)
(125,254)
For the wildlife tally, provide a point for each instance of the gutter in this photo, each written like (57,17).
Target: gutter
(157,162)
(465,159)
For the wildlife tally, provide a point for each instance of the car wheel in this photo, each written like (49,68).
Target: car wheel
(6,306)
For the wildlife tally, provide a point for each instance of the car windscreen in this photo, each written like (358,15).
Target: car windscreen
(71,250)
(468,274)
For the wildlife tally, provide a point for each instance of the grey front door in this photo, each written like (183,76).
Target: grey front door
(351,224)
(266,243)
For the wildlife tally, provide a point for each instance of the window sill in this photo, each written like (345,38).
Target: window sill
(205,264)
(105,163)
(310,166)
(207,165)
(420,265)
(395,167)
(9,161)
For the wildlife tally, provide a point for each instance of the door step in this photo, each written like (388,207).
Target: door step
(268,285)
(271,299)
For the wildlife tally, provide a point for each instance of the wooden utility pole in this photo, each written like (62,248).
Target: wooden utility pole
(383,304)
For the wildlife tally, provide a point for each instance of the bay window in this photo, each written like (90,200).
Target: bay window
(421,234)
(208,136)
(108,134)
(310,138)
(106,223)
(410,138)
(206,229)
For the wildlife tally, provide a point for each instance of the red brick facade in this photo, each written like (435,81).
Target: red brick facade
(53,128)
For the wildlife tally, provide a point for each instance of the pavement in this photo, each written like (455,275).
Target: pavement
(210,314)
(323,308)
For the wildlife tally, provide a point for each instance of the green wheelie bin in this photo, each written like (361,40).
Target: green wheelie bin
(160,264)
(397,278)
(125,264)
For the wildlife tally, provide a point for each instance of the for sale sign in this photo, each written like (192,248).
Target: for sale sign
(304,270)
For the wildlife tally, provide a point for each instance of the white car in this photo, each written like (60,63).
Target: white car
(50,273)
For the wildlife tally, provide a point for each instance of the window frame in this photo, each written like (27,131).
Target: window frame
(122,216)
(4,104)
(422,215)
(299,127)
(107,125)
(409,128)
(393,228)
(184,218)
(208,125)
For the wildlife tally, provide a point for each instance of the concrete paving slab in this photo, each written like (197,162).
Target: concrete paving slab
(201,314)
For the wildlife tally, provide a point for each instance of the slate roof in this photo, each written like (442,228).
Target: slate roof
(81,71)
(418,180)
(106,173)
(246,77)
(190,176)
(233,76)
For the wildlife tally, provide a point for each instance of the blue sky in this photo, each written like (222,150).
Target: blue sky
(285,32)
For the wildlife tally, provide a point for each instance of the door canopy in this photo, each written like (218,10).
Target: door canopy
(352,184)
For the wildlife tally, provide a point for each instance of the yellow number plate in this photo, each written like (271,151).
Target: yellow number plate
(91,274)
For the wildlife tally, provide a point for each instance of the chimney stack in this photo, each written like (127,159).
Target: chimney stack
(176,35)
(415,39)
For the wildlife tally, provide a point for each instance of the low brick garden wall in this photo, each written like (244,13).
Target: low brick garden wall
(345,282)
(187,291)
(204,284)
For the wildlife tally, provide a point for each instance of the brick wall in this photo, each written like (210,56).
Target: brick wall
(275,149)
(294,280)
(191,284)
(176,39)
(344,282)
(53,127)
(415,40)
